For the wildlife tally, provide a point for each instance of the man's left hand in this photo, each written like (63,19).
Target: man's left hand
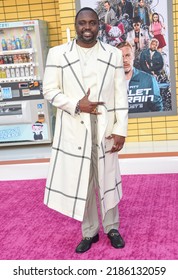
(118,143)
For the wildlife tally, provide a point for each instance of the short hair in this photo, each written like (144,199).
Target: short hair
(154,40)
(124,44)
(86,9)
(105,2)
(136,19)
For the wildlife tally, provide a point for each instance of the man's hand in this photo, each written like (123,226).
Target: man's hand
(118,143)
(87,106)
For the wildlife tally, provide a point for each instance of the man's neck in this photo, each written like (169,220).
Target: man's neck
(84,45)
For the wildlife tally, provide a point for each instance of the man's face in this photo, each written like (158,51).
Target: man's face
(128,58)
(141,3)
(87,27)
(136,26)
(153,46)
(107,6)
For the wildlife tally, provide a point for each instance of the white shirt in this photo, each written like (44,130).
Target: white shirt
(88,62)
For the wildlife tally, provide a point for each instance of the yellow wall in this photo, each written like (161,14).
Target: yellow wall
(60,14)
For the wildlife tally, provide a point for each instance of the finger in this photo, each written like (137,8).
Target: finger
(114,148)
(120,147)
(97,103)
(88,92)
(96,113)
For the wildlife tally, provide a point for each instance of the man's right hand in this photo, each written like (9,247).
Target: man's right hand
(87,106)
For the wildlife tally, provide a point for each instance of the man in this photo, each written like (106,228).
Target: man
(142,11)
(138,37)
(110,15)
(151,60)
(125,7)
(143,89)
(85,80)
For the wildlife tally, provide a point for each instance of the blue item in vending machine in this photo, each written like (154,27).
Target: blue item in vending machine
(13,43)
(4,45)
(18,43)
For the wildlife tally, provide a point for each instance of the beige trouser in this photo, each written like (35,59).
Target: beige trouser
(90,224)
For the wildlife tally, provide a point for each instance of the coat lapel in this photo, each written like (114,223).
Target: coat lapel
(103,60)
(104,57)
(72,59)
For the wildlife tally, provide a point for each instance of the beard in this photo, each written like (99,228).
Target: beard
(87,40)
(127,71)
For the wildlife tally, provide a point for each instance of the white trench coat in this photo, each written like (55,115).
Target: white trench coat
(67,182)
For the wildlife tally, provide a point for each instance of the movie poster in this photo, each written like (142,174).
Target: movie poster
(143,31)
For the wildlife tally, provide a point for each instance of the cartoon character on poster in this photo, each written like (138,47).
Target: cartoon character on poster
(144,25)
(37,129)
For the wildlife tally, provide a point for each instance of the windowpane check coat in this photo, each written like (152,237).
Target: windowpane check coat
(68,178)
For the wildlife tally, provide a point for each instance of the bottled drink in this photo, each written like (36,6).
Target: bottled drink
(22,72)
(20,59)
(28,41)
(17,72)
(13,43)
(12,72)
(23,42)
(27,71)
(24,59)
(27,57)
(18,43)
(9,45)
(15,58)
(10,59)
(8,73)
(1,60)
(4,45)
(5,59)
(3,73)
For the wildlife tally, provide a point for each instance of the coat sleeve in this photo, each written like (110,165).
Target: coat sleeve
(143,60)
(121,98)
(157,104)
(52,83)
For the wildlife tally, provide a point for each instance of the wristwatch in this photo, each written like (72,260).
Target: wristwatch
(77,109)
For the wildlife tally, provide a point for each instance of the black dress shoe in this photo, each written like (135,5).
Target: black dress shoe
(86,243)
(116,239)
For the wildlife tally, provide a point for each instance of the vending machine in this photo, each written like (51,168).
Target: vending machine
(25,116)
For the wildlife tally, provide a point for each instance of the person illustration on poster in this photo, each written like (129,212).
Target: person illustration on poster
(138,38)
(142,11)
(157,29)
(143,90)
(125,7)
(111,29)
(136,26)
(151,60)
(110,15)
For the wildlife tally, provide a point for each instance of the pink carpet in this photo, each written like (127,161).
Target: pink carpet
(149,223)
